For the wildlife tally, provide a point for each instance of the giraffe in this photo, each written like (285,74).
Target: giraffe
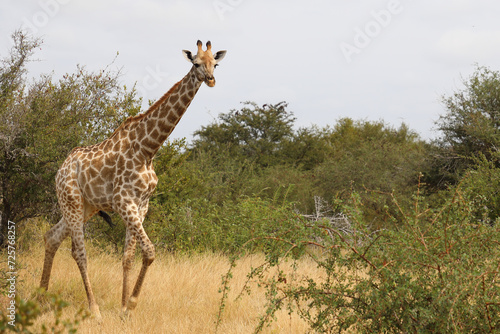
(117,175)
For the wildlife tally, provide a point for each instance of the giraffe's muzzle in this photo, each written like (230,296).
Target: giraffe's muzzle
(210,81)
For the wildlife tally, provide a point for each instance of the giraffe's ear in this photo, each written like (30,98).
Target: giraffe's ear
(188,55)
(219,55)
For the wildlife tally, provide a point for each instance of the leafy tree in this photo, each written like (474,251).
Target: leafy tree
(471,126)
(43,120)
(370,156)
(307,148)
(252,133)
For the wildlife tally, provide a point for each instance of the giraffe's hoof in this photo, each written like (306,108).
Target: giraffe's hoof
(132,303)
(125,315)
(40,295)
(98,318)
(96,314)
(126,311)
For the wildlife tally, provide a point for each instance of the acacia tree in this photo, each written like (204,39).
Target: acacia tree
(43,120)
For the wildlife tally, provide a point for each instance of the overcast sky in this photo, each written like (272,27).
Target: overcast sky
(385,60)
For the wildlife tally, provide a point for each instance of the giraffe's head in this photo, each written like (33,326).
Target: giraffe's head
(205,62)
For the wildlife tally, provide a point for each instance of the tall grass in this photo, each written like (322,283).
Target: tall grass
(180,295)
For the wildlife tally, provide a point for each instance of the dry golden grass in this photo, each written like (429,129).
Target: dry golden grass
(180,294)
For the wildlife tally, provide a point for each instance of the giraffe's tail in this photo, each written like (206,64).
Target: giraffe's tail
(107,218)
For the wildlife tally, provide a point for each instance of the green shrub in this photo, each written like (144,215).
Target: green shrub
(482,185)
(437,273)
(248,223)
(27,311)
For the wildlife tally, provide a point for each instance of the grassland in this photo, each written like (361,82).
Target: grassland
(180,295)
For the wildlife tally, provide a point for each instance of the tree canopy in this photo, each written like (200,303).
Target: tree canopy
(252,132)
(471,124)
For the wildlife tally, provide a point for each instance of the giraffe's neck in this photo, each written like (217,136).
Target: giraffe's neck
(154,127)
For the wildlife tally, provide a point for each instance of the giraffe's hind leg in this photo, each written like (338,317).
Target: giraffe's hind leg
(53,239)
(76,220)
(80,255)
(75,213)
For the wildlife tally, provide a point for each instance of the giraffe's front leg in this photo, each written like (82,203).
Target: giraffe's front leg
(133,215)
(128,260)
(148,256)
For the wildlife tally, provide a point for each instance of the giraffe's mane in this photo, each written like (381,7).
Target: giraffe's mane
(137,118)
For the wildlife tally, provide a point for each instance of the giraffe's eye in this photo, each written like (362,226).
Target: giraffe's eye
(216,65)
(196,65)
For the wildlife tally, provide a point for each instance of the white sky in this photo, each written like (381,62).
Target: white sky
(388,60)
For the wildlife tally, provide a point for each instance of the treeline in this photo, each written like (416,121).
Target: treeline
(256,153)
